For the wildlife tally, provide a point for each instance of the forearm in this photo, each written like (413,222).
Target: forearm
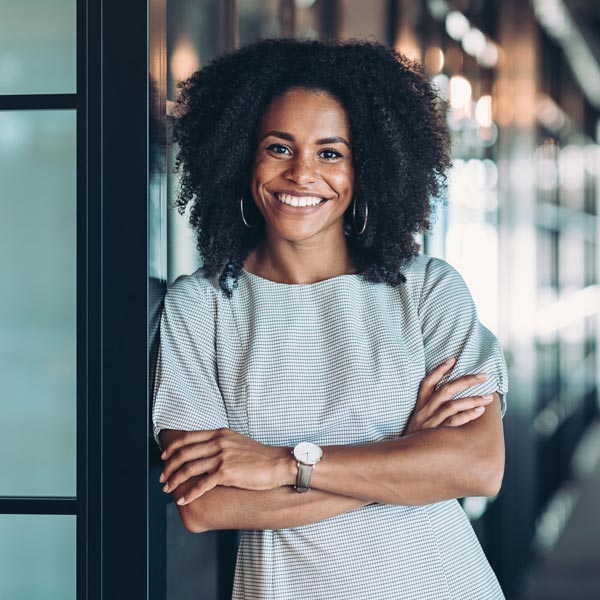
(428,466)
(233,508)
(424,467)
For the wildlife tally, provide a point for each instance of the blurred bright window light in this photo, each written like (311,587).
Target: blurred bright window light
(552,14)
(442,83)
(488,57)
(472,184)
(438,8)
(184,59)
(549,113)
(460,91)
(573,306)
(592,159)
(545,162)
(571,167)
(472,248)
(491,173)
(483,111)
(457,25)
(473,42)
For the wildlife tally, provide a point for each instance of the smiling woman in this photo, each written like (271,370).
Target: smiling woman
(319,383)
(267,118)
(303,188)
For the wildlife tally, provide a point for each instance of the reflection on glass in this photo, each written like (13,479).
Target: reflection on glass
(367,20)
(309,18)
(192,42)
(37,47)
(37,557)
(37,304)
(259,19)
(192,39)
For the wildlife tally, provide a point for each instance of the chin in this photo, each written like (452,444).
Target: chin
(296,234)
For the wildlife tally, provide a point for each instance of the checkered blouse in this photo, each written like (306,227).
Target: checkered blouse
(333,362)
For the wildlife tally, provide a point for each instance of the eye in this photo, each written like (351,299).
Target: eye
(275,148)
(331,151)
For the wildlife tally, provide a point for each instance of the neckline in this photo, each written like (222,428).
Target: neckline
(297,285)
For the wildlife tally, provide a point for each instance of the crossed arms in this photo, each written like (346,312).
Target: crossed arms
(426,466)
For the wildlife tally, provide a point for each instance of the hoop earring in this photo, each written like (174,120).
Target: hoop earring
(354,217)
(243,217)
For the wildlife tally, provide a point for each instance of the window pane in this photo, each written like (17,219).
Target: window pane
(37,557)
(37,303)
(37,47)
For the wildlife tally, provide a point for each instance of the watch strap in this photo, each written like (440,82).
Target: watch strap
(303,479)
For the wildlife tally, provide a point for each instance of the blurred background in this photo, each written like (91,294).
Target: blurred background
(520,224)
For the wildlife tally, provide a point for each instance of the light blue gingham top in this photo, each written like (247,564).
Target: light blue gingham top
(333,362)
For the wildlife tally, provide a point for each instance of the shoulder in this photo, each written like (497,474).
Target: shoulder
(426,266)
(428,277)
(193,290)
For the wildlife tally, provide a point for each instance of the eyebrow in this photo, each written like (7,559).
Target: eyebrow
(286,136)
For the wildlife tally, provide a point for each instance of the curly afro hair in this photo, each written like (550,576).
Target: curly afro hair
(400,145)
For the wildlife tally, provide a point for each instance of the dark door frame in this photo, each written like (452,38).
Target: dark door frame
(112,189)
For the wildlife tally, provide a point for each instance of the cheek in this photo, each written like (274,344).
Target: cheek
(342,180)
(264,171)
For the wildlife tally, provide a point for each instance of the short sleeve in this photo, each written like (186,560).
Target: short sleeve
(451,328)
(186,394)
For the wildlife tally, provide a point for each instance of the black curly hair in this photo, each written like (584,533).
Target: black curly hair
(400,146)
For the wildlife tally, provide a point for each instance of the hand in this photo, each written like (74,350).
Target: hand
(435,408)
(223,457)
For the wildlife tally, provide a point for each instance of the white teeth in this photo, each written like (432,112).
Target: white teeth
(298,201)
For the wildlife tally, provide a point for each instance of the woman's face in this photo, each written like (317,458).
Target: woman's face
(303,153)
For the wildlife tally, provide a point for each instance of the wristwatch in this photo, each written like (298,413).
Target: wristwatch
(307,455)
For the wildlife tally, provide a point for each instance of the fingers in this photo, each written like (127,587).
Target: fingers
(433,378)
(464,417)
(446,391)
(199,449)
(190,437)
(463,407)
(191,469)
(462,383)
(203,485)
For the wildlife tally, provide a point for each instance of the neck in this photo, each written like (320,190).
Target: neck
(297,263)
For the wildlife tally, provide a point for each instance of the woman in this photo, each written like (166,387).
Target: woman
(308,352)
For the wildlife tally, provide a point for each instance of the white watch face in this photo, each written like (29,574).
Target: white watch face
(308,453)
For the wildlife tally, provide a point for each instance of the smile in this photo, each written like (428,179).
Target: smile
(299,200)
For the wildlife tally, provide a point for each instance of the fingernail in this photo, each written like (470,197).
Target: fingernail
(450,360)
(479,409)
(181,501)
(164,454)
(488,397)
(166,488)
(161,478)
(481,375)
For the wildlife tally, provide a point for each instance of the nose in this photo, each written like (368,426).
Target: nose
(300,170)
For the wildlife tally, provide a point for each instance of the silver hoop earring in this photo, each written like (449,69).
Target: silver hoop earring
(243,217)
(354,217)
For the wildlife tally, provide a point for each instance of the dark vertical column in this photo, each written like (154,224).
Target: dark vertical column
(89,303)
(124,281)
(229,34)
(330,15)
